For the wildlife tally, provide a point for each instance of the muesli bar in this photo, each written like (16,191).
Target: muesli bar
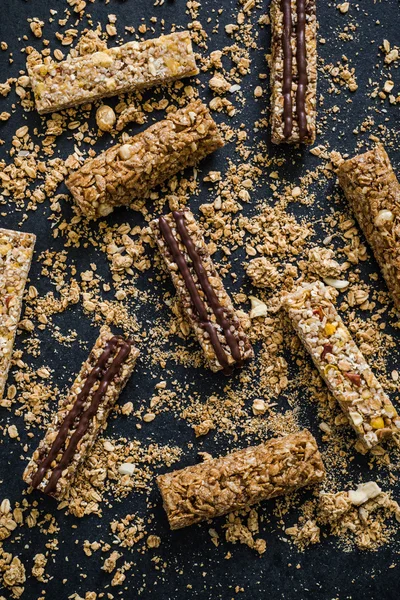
(293,71)
(81,416)
(236,481)
(129,171)
(207,305)
(133,66)
(373,192)
(341,364)
(16,251)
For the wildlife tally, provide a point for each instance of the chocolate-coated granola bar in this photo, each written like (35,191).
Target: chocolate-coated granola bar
(205,301)
(81,416)
(293,71)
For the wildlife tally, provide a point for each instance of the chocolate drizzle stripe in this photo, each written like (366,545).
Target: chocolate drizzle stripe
(198,304)
(207,288)
(105,376)
(286,7)
(301,58)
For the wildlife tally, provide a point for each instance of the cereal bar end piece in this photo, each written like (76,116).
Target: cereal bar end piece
(16,252)
(373,192)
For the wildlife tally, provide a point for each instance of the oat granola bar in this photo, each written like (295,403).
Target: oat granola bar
(208,307)
(81,416)
(16,251)
(236,481)
(293,71)
(373,192)
(129,171)
(341,364)
(112,71)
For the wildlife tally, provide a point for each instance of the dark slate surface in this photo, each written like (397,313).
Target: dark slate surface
(324,571)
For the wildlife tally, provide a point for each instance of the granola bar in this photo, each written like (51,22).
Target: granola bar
(293,71)
(112,71)
(16,251)
(130,170)
(373,192)
(81,416)
(238,480)
(341,364)
(205,301)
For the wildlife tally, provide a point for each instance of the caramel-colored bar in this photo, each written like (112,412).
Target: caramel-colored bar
(223,348)
(286,87)
(129,171)
(373,192)
(61,488)
(16,251)
(341,364)
(133,66)
(238,480)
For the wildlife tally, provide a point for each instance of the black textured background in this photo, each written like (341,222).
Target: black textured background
(324,571)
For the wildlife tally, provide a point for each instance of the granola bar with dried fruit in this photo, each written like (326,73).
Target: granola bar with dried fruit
(373,192)
(16,251)
(293,71)
(341,364)
(111,71)
(131,170)
(236,481)
(81,416)
(208,307)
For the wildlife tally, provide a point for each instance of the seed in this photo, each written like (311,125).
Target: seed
(259,406)
(127,469)
(125,152)
(148,417)
(105,118)
(383,217)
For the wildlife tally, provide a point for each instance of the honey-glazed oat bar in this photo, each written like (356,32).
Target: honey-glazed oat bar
(81,416)
(16,251)
(112,71)
(373,192)
(341,364)
(129,171)
(236,481)
(293,71)
(207,305)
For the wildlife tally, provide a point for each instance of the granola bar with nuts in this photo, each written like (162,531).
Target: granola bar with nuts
(293,71)
(129,171)
(208,307)
(81,416)
(16,251)
(238,480)
(341,364)
(373,192)
(111,71)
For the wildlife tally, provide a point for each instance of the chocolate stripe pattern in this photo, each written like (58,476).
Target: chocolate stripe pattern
(287,68)
(218,310)
(103,372)
(301,60)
